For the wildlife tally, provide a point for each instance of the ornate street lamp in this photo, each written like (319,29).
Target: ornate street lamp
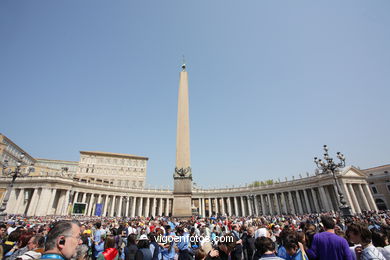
(17,171)
(328,166)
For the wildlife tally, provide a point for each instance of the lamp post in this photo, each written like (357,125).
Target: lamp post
(328,166)
(13,172)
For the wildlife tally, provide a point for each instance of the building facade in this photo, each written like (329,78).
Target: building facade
(378,179)
(122,170)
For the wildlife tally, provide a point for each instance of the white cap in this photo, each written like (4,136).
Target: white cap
(261,232)
(143,237)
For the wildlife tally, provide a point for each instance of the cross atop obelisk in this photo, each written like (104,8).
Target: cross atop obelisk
(183,175)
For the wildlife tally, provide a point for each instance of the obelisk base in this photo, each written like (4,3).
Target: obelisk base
(182,198)
(182,206)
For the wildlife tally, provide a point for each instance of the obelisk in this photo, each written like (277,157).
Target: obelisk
(182,177)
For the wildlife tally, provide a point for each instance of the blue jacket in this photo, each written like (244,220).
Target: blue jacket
(296,256)
(169,253)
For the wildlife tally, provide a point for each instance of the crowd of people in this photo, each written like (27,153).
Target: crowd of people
(304,237)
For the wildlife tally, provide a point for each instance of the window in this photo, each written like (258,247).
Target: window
(374,190)
(388,187)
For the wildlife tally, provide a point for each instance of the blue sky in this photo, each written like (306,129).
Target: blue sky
(270,82)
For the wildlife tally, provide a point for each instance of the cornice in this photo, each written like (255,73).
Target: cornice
(119,155)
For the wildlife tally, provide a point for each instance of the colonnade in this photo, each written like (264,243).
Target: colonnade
(52,201)
(312,195)
(297,201)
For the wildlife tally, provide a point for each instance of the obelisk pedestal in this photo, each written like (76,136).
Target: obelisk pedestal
(182,198)
(182,191)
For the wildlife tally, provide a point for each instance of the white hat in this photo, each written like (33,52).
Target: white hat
(261,232)
(143,237)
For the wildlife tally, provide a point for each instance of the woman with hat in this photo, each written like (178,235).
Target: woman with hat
(143,252)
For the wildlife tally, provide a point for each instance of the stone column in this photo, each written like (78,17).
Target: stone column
(307,201)
(60,204)
(106,202)
(291,203)
(32,206)
(91,203)
(229,206)
(84,197)
(132,214)
(99,201)
(120,206)
(271,211)
(284,204)
(19,202)
(200,206)
(223,206)
(354,199)
(256,202)
(369,197)
(42,202)
(167,207)
(11,201)
(336,196)
(263,209)
(52,197)
(141,207)
(153,207)
(147,207)
(243,209)
(113,205)
(65,206)
(277,204)
(324,198)
(362,195)
(347,196)
(127,214)
(160,205)
(75,198)
(299,202)
(236,212)
(249,202)
(210,207)
(204,206)
(314,196)
(216,206)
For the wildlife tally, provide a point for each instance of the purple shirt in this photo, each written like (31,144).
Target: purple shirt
(328,245)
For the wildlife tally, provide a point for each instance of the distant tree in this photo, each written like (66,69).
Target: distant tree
(261,183)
